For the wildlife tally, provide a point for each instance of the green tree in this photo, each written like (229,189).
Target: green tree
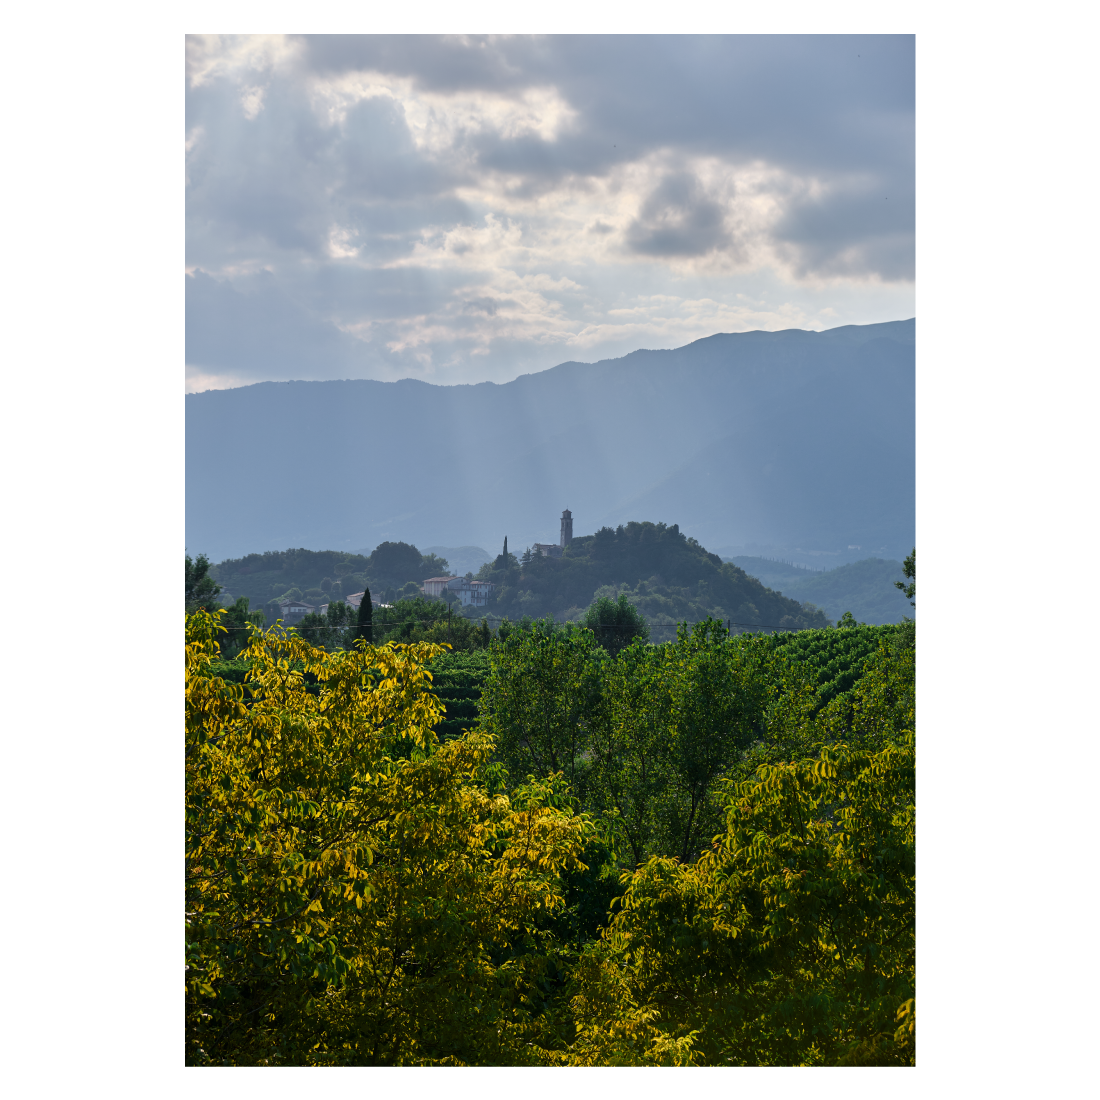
(365,622)
(333,630)
(398,562)
(504,562)
(643,745)
(410,619)
(719,697)
(616,623)
(434,566)
(909,569)
(541,699)
(791,940)
(200,589)
(236,622)
(354,893)
(631,769)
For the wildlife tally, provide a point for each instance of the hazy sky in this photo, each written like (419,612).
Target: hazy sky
(470,209)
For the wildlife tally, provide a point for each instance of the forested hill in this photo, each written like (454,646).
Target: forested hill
(317,576)
(669,577)
(865,588)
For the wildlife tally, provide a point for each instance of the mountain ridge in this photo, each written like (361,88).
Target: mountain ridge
(785,438)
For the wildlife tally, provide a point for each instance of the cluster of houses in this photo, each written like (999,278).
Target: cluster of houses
(470,593)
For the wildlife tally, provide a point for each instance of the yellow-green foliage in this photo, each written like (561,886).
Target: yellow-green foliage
(353,893)
(357,895)
(790,942)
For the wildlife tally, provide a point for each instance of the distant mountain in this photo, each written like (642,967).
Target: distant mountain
(785,439)
(775,574)
(461,559)
(865,588)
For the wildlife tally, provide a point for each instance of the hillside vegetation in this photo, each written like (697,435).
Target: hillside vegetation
(318,576)
(666,575)
(865,588)
(681,855)
(669,577)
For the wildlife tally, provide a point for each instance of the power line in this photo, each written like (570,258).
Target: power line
(519,624)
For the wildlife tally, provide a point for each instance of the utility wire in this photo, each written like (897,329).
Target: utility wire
(512,622)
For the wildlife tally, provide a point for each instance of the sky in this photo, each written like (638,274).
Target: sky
(468,209)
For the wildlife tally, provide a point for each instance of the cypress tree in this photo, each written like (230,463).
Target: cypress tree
(364,628)
(506,548)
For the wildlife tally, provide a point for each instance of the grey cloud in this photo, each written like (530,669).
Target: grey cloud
(488,306)
(678,219)
(832,106)
(255,182)
(379,158)
(267,191)
(801,101)
(445,63)
(852,231)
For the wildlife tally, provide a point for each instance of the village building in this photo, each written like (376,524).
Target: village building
(471,593)
(434,586)
(293,610)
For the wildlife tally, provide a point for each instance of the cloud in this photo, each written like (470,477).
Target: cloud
(466,207)
(678,219)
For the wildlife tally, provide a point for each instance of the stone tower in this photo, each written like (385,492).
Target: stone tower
(566,528)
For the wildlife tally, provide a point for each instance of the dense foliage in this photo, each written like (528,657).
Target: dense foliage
(355,893)
(833,660)
(668,577)
(200,588)
(909,568)
(644,740)
(699,852)
(615,623)
(865,588)
(457,682)
(320,576)
(665,577)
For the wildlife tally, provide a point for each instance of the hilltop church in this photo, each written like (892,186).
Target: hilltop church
(551,550)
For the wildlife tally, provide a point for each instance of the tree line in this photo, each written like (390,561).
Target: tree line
(677,854)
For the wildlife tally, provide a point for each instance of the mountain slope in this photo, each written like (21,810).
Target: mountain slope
(865,588)
(793,437)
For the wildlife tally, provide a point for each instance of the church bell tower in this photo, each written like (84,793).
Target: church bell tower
(566,528)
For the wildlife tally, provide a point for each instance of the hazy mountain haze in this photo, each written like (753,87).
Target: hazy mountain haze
(790,438)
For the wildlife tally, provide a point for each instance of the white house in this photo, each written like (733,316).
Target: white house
(293,610)
(471,593)
(434,586)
